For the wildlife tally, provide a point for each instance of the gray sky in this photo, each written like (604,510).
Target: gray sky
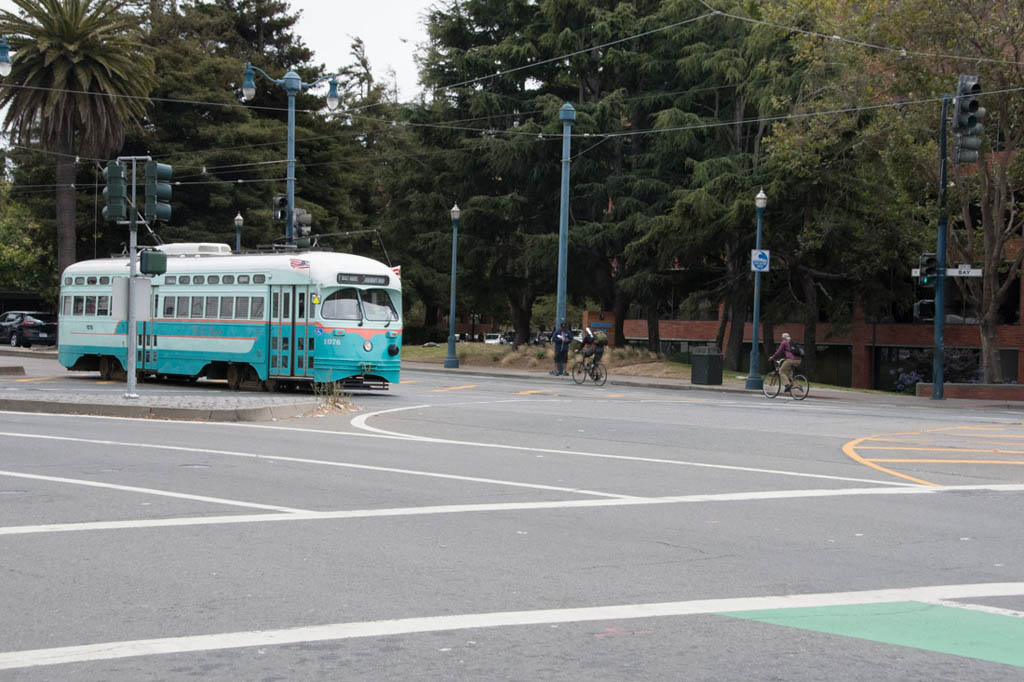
(391,29)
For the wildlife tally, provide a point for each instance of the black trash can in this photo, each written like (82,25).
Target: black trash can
(706,365)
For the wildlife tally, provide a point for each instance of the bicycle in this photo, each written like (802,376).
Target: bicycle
(584,368)
(772,384)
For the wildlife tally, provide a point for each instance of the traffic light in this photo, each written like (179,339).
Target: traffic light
(114,194)
(968,116)
(152,262)
(158,191)
(924,311)
(928,269)
(280,207)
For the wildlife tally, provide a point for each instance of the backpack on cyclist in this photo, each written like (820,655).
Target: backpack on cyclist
(797,349)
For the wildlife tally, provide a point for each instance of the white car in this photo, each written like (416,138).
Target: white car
(492,338)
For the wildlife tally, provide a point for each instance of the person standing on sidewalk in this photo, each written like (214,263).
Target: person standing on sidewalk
(562,338)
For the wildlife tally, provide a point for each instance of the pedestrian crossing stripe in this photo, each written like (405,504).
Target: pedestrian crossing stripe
(956,630)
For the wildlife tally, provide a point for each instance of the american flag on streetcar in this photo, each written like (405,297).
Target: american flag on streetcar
(299,263)
(397,270)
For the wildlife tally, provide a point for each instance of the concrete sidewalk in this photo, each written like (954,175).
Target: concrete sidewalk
(215,404)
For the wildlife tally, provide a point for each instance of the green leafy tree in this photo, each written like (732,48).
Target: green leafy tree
(80,75)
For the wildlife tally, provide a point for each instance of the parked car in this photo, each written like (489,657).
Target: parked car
(494,338)
(541,338)
(509,337)
(24,328)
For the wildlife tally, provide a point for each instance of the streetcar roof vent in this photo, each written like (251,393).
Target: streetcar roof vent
(195,249)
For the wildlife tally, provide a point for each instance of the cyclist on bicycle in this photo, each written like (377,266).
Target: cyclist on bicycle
(593,347)
(792,360)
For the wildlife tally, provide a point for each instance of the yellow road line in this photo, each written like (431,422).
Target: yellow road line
(104,383)
(850,450)
(943,449)
(21,381)
(948,461)
(453,388)
(534,392)
(409,381)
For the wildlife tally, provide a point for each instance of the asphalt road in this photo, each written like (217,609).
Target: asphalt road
(480,528)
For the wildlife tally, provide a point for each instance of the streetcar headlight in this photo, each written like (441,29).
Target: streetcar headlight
(367,346)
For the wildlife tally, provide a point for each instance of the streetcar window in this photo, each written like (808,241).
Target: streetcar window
(227,307)
(256,309)
(211,306)
(183,306)
(79,305)
(198,279)
(241,307)
(90,280)
(103,305)
(378,306)
(343,304)
(67,305)
(228,279)
(79,280)
(104,280)
(197,307)
(213,279)
(90,305)
(169,306)
(274,306)
(170,279)
(301,301)
(259,279)
(67,280)
(183,279)
(243,279)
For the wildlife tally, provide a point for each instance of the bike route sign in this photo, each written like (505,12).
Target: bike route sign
(760,260)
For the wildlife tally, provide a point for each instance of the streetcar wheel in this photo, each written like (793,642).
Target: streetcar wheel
(106,371)
(235,374)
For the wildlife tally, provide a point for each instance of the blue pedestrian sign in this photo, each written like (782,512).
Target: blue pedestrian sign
(760,260)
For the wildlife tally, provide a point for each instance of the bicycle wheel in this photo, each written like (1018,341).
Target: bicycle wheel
(801,387)
(771,385)
(600,375)
(579,372)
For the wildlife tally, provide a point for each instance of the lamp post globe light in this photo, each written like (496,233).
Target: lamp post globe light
(239,221)
(452,360)
(754,380)
(292,85)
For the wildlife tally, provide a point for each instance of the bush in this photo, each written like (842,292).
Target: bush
(417,336)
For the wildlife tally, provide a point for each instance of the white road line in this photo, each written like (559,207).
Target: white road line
(149,491)
(975,607)
(106,651)
(323,462)
(770,495)
(360,423)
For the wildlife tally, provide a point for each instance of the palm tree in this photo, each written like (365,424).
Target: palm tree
(80,75)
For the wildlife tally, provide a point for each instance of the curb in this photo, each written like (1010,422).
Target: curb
(240,414)
(12,371)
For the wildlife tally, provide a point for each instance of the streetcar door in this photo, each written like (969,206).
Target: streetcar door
(291,349)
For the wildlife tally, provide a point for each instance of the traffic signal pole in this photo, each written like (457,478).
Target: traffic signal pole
(133,257)
(938,356)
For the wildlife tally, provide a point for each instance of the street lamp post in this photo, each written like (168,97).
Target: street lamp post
(754,380)
(452,360)
(292,85)
(238,232)
(566,114)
